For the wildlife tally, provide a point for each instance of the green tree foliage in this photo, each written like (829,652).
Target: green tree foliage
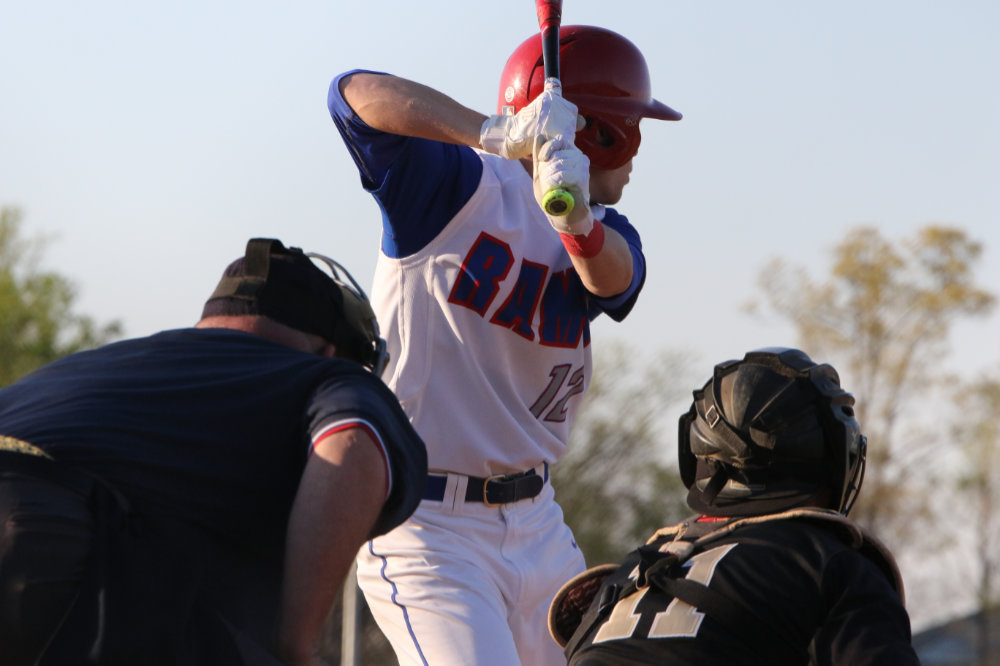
(882,317)
(615,485)
(36,324)
(977,433)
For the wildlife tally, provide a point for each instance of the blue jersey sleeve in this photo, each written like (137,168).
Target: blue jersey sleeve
(618,307)
(419,184)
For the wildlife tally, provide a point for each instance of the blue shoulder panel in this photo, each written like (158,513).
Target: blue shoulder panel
(419,184)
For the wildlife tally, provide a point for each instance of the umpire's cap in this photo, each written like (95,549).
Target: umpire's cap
(284,284)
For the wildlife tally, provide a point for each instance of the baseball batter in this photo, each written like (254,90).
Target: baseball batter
(486,302)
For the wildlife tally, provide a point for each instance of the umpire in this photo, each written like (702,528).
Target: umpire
(197,496)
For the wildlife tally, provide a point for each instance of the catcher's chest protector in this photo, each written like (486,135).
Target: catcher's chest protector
(678,560)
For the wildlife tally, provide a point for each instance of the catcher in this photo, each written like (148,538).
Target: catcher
(770,570)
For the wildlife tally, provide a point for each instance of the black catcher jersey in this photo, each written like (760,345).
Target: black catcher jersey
(800,588)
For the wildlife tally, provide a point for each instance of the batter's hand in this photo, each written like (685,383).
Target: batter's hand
(549,116)
(558,163)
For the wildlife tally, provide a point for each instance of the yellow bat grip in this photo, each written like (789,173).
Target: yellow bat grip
(558,202)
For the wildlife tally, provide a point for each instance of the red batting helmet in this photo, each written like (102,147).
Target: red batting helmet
(601,72)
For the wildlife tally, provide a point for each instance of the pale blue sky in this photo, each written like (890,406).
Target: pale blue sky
(151,139)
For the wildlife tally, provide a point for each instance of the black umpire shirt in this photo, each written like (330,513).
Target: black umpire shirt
(209,425)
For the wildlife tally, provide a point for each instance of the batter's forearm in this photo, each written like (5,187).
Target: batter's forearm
(400,106)
(609,272)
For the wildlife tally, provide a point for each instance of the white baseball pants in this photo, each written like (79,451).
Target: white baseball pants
(464,584)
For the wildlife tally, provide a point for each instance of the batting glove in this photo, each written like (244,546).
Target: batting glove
(558,163)
(549,115)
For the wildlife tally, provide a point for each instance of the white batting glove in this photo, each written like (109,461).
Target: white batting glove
(558,163)
(549,115)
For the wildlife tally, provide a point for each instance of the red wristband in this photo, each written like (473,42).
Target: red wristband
(585,246)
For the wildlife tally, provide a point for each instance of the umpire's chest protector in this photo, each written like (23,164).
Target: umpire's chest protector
(488,331)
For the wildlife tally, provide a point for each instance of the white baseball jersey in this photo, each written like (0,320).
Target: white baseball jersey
(488,332)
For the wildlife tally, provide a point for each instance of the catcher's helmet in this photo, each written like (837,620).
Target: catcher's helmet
(771,432)
(287,286)
(601,72)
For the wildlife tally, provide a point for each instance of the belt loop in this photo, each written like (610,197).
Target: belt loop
(454,493)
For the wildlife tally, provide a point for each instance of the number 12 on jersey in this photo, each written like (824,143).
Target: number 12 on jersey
(573,386)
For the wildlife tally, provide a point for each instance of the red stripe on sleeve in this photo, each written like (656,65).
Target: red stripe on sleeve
(349,425)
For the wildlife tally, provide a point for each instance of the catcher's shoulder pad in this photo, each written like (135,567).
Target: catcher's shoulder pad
(856,536)
(862,540)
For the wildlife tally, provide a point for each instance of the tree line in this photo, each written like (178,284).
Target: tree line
(37,324)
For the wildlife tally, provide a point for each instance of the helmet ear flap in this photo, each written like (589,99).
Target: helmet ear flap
(687,462)
(608,141)
(856,469)
(847,447)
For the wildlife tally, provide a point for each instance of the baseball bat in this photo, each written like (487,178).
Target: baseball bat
(557,201)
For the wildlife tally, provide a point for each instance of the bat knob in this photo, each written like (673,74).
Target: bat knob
(557,202)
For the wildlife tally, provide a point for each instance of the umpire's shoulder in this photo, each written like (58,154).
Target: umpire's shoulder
(349,385)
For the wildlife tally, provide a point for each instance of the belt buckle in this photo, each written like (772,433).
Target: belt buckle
(486,485)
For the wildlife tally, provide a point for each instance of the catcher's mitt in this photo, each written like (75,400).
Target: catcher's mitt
(572,601)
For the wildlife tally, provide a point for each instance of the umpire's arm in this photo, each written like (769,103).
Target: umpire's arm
(340,497)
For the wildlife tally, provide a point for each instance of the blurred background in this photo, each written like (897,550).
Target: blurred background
(833,186)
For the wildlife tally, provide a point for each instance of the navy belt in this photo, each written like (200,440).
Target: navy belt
(493,490)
